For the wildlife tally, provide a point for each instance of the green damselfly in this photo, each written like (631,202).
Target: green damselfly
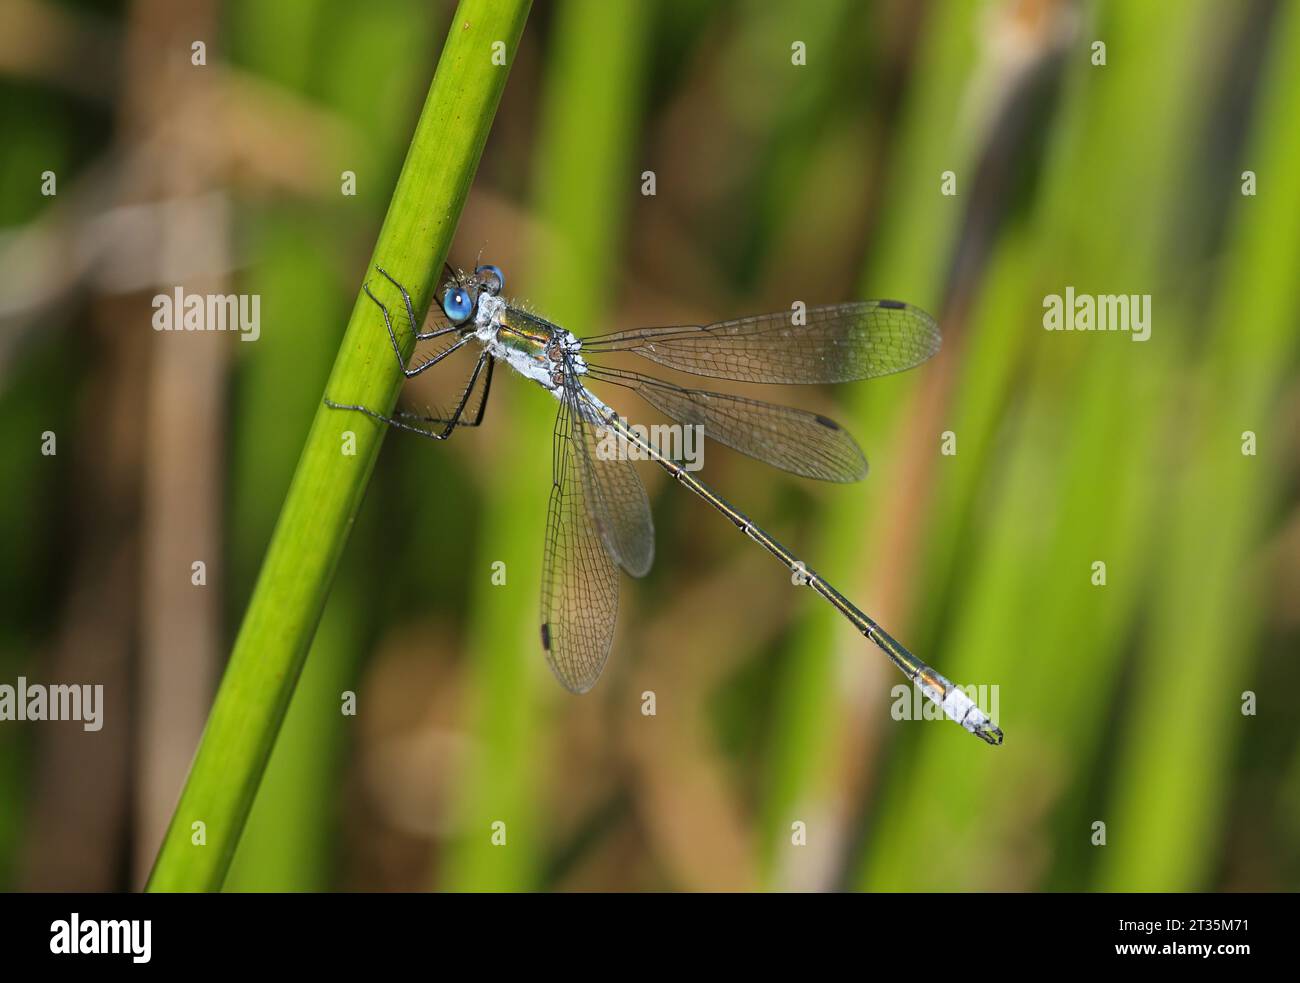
(599,515)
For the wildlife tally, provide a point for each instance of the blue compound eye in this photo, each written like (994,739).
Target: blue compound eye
(457,304)
(494,282)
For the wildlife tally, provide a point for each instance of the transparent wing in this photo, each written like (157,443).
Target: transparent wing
(794,440)
(599,516)
(579,578)
(614,492)
(836,344)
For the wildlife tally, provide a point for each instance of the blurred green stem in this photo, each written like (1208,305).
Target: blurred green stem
(328,484)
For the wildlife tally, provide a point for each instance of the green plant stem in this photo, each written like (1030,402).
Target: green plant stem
(328,484)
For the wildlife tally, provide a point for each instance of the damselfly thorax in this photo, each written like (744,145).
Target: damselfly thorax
(598,518)
(531,345)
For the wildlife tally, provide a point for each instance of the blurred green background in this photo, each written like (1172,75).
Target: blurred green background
(774,182)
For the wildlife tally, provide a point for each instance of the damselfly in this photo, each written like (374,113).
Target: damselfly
(599,516)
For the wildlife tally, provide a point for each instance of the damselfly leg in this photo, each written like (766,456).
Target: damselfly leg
(411,422)
(418,423)
(411,373)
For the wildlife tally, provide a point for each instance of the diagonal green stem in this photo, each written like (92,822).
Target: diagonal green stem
(328,484)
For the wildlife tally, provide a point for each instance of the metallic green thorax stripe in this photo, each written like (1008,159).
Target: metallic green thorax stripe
(522,332)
